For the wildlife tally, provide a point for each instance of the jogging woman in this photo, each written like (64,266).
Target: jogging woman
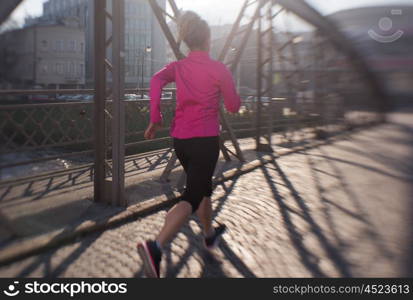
(200,83)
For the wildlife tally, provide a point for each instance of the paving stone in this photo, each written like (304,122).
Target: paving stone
(328,211)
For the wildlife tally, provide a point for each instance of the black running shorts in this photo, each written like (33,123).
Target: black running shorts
(199,157)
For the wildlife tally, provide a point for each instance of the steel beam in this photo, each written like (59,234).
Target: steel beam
(328,28)
(118,116)
(109,128)
(258,115)
(160,16)
(234,30)
(99,100)
(7,7)
(237,30)
(265,32)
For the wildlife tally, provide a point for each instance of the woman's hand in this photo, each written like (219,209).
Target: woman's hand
(151,130)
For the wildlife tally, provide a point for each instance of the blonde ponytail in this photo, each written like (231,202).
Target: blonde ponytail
(193,30)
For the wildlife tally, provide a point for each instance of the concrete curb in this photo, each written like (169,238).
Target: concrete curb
(39,244)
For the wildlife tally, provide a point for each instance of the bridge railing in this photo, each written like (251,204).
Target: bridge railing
(51,131)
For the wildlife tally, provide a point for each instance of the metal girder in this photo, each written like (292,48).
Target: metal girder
(7,7)
(293,75)
(320,77)
(118,91)
(175,45)
(174,8)
(259,79)
(109,189)
(109,114)
(160,16)
(236,30)
(265,66)
(265,70)
(328,28)
(100,97)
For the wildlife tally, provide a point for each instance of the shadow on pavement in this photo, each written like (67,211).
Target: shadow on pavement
(134,165)
(308,258)
(407,127)
(44,260)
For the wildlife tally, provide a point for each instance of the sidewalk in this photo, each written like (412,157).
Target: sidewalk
(53,210)
(342,209)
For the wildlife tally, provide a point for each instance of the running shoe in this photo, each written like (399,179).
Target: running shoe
(213,241)
(151,257)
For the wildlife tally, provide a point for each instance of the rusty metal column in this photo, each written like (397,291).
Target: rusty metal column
(118,89)
(270,70)
(320,97)
(99,100)
(264,75)
(259,79)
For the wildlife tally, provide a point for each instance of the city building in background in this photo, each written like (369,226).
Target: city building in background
(60,9)
(44,55)
(245,74)
(145,44)
(144,41)
(392,61)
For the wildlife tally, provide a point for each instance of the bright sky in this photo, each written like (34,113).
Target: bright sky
(228,9)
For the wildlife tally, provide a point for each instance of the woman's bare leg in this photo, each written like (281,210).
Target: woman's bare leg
(176,217)
(204,213)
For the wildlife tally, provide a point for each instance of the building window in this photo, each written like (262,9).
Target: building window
(71,70)
(82,48)
(81,70)
(59,68)
(43,69)
(72,46)
(44,44)
(59,45)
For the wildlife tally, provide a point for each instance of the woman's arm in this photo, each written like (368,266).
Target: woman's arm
(232,101)
(158,81)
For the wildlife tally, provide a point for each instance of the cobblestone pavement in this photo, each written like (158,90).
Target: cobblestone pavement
(343,209)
